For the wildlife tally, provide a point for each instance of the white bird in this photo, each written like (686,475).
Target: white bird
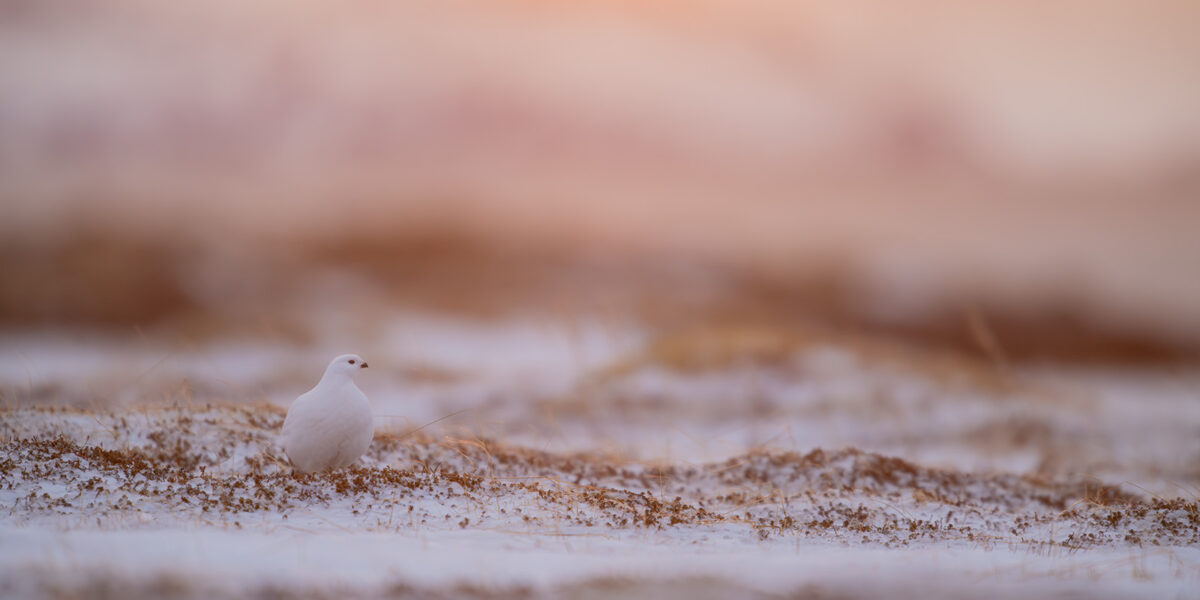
(330,426)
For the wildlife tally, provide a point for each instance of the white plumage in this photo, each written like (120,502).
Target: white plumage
(330,426)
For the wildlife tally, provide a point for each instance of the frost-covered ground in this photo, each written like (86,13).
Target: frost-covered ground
(521,457)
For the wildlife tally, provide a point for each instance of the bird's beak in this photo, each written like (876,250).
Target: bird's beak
(364,365)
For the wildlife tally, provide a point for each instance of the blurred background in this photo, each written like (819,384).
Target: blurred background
(1016,180)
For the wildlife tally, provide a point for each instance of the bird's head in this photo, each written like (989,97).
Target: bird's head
(345,365)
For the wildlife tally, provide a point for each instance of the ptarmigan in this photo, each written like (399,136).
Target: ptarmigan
(330,426)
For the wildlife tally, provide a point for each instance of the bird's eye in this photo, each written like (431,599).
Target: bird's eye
(352,361)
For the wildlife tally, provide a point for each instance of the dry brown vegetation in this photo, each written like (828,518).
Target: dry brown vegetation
(103,279)
(602,587)
(180,467)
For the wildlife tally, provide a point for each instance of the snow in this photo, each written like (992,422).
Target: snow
(330,560)
(831,472)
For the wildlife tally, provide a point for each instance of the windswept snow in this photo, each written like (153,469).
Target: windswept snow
(575,462)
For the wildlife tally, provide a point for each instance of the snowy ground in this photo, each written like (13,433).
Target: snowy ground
(592,459)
